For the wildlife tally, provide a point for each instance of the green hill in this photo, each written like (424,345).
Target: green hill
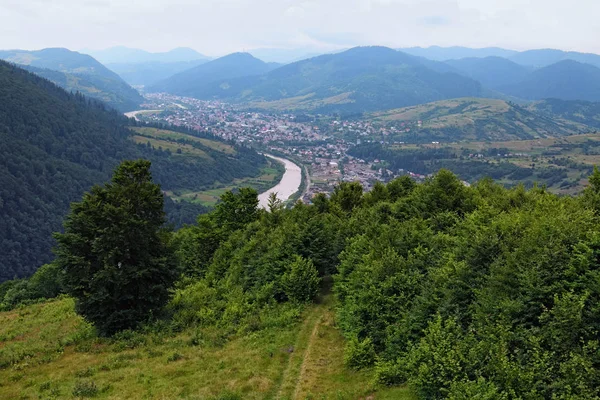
(55,145)
(475,119)
(78,72)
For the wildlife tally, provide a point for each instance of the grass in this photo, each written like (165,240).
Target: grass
(171,136)
(268,178)
(63,358)
(186,149)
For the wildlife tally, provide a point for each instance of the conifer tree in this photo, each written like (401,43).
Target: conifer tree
(114,253)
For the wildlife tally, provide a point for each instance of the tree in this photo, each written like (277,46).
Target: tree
(115,253)
(236,210)
(348,195)
(301,281)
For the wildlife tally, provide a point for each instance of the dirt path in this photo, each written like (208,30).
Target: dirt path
(291,380)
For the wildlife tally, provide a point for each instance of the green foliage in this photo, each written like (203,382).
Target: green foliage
(301,281)
(475,292)
(359,354)
(116,258)
(46,283)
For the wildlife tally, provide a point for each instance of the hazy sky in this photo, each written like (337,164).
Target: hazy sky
(217,27)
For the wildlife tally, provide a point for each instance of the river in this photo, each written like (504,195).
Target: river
(289,184)
(133,114)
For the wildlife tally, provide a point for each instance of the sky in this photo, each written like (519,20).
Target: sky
(218,27)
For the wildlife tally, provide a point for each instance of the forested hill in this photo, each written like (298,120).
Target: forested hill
(78,73)
(55,145)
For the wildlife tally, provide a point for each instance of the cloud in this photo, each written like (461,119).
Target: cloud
(435,20)
(218,27)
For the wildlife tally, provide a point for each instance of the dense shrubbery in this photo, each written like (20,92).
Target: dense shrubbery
(460,292)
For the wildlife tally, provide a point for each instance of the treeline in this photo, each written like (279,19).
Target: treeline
(55,145)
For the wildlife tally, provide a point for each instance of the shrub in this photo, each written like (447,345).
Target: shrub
(301,281)
(359,354)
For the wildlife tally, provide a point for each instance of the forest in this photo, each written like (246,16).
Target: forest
(457,292)
(55,145)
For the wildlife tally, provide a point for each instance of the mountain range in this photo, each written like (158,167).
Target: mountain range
(78,72)
(356,80)
(377,78)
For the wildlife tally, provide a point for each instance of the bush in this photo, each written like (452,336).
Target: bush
(390,373)
(301,281)
(359,354)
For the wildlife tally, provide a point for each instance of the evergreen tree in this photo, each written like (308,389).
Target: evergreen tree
(115,253)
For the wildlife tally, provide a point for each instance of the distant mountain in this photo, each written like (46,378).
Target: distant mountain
(285,56)
(492,72)
(149,73)
(121,54)
(198,81)
(475,119)
(437,53)
(545,57)
(566,80)
(357,80)
(78,72)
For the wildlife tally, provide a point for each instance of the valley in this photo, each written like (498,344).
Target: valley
(473,137)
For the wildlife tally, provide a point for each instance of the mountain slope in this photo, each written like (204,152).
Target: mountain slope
(566,80)
(194,82)
(78,72)
(357,80)
(474,119)
(492,72)
(438,53)
(55,145)
(122,54)
(545,57)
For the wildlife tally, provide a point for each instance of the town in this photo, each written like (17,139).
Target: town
(321,146)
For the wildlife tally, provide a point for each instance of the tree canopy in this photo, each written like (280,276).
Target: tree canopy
(114,253)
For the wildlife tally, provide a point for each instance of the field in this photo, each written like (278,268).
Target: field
(171,136)
(184,145)
(47,351)
(563,163)
(268,178)
(469,119)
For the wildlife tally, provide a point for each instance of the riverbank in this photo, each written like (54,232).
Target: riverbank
(134,114)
